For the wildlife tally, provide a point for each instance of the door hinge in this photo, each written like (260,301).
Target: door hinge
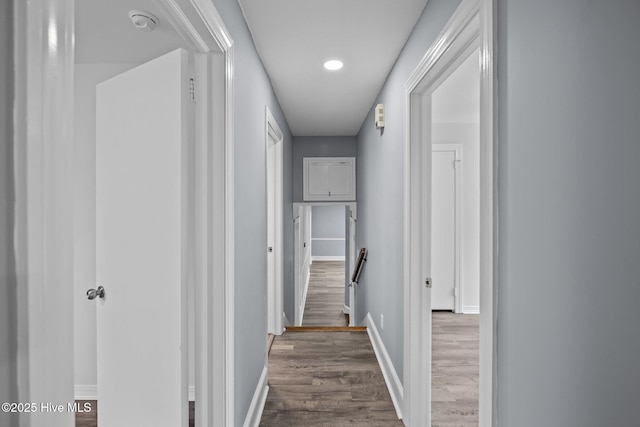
(427,282)
(192,90)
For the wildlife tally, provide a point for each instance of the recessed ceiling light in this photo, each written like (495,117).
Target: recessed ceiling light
(333,64)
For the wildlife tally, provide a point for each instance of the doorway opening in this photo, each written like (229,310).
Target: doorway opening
(324,255)
(455,244)
(470,28)
(48,200)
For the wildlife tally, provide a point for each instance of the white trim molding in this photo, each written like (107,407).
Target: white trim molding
(330,239)
(469,28)
(471,309)
(85,392)
(327,258)
(386,365)
(43,238)
(489,150)
(352,205)
(258,401)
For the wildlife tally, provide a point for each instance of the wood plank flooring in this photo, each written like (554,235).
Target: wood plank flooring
(89,418)
(326,379)
(455,368)
(333,379)
(325,296)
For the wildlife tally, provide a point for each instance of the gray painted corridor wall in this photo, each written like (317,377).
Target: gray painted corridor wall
(252,91)
(569,278)
(380,189)
(8,296)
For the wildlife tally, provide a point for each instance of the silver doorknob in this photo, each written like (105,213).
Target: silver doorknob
(94,293)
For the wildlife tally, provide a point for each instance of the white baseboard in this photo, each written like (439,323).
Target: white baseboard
(90,392)
(327,258)
(388,371)
(85,392)
(471,309)
(257,403)
(346,309)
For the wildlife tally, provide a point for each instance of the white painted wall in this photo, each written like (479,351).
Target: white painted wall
(467,134)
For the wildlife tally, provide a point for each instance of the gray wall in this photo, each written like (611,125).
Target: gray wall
(252,91)
(8,301)
(327,222)
(380,189)
(569,277)
(569,288)
(318,146)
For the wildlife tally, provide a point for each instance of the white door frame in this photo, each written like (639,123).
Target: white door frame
(457,150)
(298,304)
(44,204)
(470,26)
(351,255)
(275,291)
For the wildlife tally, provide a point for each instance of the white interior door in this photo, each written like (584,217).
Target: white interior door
(271,233)
(297,268)
(443,230)
(275,252)
(142,244)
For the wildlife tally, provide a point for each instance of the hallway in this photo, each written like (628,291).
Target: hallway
(328,379)
(325,297)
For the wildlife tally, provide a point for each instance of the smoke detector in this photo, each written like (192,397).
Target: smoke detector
(143,21)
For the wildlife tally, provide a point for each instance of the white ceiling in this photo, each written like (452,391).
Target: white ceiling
(295,37)
(104,33)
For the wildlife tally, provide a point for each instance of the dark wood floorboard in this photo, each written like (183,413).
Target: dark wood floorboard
(325,296)
(455,369)
(326,379)
(89,418)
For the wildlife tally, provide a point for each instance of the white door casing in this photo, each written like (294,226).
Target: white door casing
(44,245)
(351,256)
(471,26)
(302,254)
